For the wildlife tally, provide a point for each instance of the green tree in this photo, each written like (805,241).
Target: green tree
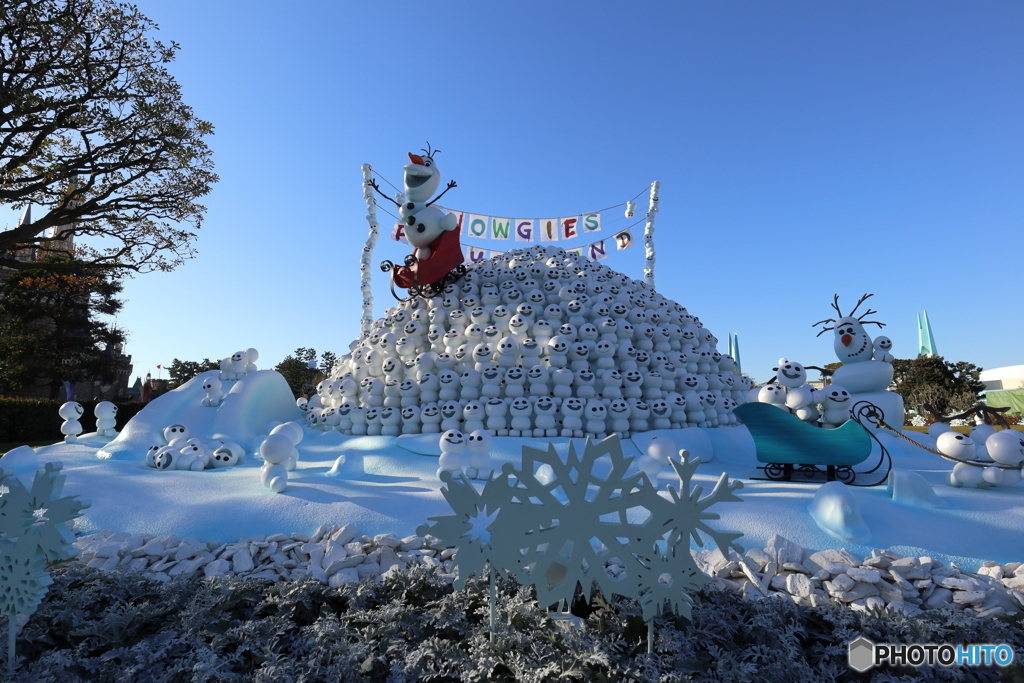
(295,369)
(51,329)
(948,387)
(182,371)
(92,126)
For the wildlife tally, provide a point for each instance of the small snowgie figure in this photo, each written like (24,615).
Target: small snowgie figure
(479,444)
(883,349)
(453,445)
(276,449)
(71,411)
(106,418)
(214,395)
(836,404)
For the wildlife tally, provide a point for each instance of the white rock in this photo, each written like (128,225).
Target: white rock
(784,550)
(217,568)
(865,575)
(241,562)
(344,576)
(368,569)
(843,583)
(799,585)
(968,597)
(346,534)
(940,598)
(388,540)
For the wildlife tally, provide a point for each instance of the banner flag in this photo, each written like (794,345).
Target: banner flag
(623,240)
(597,251)
(499,228)
(478,225)
(592,222)
(548,229)
(524,229)
(569,227)
(461,215)
(578,251)
(475,254)
(398,232)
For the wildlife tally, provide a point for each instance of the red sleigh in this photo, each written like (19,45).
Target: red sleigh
(429,276)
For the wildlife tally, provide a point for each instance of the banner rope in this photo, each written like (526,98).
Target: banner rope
(578,213)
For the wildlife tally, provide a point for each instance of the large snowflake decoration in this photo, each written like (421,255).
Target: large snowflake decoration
(555,525)
(33,532)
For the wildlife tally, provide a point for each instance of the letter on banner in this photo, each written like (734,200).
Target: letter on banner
(569,225)
(398,232)
(476,255)
(478,225)
(597,251)
(592,222)
(499,228)
(524,229)
(548,229)
(578,251)
(623,240)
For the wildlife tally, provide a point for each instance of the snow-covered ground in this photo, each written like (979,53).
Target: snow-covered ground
(400,489)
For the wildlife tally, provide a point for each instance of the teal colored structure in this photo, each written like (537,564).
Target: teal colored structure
(925,340)
(734,350)
(784,442)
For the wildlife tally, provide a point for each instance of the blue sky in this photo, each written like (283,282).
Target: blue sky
(804,149)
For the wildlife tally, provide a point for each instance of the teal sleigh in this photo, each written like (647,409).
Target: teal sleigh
(788,445)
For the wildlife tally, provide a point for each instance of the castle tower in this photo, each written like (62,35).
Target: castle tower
(925,340)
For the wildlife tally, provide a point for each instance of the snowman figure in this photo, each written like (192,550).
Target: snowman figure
(106,418)
(176,435)
(860,373)
(544,422)
(71,428)
(214,395)
(276,449)
(191,458)
(659,451)
(479,444)
(294,432)
(251,356)
(1006,447)
(961,447)
(424,222)
(836,404)
(883,349)
(453,445)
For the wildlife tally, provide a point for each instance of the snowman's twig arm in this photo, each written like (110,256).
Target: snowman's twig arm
(373,184)
(451,184)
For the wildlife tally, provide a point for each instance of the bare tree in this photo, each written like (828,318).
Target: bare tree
(93,129)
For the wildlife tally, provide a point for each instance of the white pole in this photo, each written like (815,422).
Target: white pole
(649,235)
(365,262)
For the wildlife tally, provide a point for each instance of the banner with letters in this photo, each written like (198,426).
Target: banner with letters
(476,226)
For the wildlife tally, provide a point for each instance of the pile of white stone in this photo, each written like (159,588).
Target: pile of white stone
(883,580)
(336,555)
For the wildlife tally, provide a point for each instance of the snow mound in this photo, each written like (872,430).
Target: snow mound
(911,488)
(836,512)
(608,353)
(250,404)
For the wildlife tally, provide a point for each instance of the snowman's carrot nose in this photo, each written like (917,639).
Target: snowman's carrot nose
(416,159)
(847,339)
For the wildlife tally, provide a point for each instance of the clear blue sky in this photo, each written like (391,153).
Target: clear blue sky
(804,149)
